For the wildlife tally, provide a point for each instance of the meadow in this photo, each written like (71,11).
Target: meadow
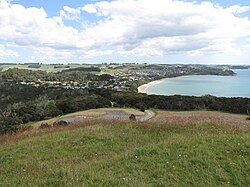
(51,68)
(190,152)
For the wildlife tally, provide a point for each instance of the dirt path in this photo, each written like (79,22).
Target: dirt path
(112,115)
(149,114)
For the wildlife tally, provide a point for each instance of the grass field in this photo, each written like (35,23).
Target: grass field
(160,152)
(235,121)
(105,68)
(44,67)
(50,68)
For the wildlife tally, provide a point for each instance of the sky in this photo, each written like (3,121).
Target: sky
(140,31)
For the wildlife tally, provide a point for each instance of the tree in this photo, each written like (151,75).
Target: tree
(9,124)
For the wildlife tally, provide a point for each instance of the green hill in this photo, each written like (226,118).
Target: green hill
(120,153)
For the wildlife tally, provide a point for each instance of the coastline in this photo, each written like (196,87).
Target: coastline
(143,88)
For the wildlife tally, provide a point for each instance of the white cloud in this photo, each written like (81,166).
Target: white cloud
(7,53)
(32,27)
(126,27)
(238,9)
(89,8)
(247,43)
(70,13)
(162,27)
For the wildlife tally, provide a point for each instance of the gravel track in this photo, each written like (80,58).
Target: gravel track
(113,115)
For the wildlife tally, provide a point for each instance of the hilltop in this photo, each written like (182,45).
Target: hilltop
(172,149)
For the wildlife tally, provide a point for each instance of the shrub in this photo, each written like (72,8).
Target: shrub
(141,106)
(9,124)
(132,117)
(45,125)
(24,128)
(60,123)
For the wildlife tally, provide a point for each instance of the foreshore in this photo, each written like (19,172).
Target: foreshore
(144,87)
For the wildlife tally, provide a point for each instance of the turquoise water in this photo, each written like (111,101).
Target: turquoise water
(199,85)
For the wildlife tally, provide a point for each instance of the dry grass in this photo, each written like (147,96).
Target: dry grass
(90,113)
(33,131)
(126,153)
(163,119)
(201,118)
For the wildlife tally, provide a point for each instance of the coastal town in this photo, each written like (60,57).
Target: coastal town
(119,77)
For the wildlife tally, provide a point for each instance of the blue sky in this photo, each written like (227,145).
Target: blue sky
(159,31)
(53,7)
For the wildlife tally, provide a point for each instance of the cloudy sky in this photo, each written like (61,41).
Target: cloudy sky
(152,31)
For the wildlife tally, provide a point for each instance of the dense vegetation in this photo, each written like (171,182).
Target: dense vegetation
(24,103)
(89,69)
(24,75)
(127,154)
(173,71)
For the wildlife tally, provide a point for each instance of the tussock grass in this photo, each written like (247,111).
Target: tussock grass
(123,153)
(235,121)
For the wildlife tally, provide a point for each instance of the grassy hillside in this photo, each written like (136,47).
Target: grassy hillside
(115,153)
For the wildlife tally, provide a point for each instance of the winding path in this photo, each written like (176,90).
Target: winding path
(113,115)
(149,114)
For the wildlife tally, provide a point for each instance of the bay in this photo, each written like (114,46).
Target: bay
(199,85)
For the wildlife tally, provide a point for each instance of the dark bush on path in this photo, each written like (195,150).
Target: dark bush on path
(132,117)
(60,123)
(44,126)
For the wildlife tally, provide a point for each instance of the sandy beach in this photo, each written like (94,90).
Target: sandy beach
(144,87)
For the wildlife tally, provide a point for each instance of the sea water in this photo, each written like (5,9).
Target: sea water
(199,85)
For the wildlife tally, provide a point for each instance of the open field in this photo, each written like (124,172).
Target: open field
(202,117)
(105,69)
(44,67)
(190,151)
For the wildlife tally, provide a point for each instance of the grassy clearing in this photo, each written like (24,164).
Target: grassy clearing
(115,153)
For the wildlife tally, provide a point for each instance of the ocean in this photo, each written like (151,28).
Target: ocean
(200,85)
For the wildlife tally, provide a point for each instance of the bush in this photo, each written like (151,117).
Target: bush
(45,125)
(132,117)
(9,124)
(60,123)
(24,128)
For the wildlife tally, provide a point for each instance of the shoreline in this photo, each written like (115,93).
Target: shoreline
(143,88)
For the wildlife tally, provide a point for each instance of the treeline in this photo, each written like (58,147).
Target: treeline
(20,104)
(88,69)
(174,71)
(35,66)
(24,75)
(232,105)
(177,102)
